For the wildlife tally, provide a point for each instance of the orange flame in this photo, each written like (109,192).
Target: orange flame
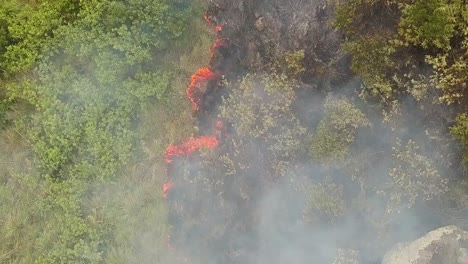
(189,146)
(210,20)
(197,86)
(195,91)
(220,27)
(166,187)
(219,127)
(219,42)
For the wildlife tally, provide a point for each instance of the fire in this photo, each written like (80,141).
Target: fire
(219,42)
(219,127)
(200,78)
(186,149)
(166,187)
(197,86)
(195,91)
(190,146)
(220,27)
(211,19)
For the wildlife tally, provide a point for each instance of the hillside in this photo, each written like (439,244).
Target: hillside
(219,131)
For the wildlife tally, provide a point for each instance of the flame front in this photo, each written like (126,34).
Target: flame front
(189,146)
(219,42)
(197,87)
(200,79)
(166,187)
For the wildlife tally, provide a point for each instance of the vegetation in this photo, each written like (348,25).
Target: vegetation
(460,131)
(80,77)
(92,92)
(413,177)
(324,203)
(336,131)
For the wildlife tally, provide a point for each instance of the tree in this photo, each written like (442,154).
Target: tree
(428,23)
(260,110)
(460,131)
(91,74)
(28,28)
(336,131)
(325,204)
(413,178)
(217,193)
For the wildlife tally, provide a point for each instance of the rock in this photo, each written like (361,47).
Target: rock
(259,24)
(446,245)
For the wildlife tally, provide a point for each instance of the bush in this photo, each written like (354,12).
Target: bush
(413,177)
(92,76)
(324,203)
(336,130)
(460,131)
(429,23)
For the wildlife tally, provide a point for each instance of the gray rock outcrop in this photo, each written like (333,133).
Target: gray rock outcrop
(446,245)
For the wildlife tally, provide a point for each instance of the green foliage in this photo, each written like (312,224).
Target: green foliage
(429,23)
(138,214)
(460,131)
(385,61)
(349,15)
(458,196)
(81,238)
(413,177)
(255,105)
(86,109)
(371,59)
(4,107)
(337,130)
(440,24)
(84,184)
(260,109)
(450,74)
(325,203)
(292,64)
(85,127)
(27,29)
(93,74)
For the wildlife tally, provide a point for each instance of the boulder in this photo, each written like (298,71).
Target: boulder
(260,24)
(446,245)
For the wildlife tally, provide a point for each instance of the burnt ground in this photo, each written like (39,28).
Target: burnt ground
(259,33)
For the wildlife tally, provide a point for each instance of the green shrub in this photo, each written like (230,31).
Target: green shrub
(460,132)
(336,130)
(324,203)
(92,75)
(413,177)
(429,23)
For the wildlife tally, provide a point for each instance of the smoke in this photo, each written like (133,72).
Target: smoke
(229,207)
(248,188)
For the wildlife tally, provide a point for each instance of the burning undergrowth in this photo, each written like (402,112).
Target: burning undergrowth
(220,183)
(203,90)
(270,177)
